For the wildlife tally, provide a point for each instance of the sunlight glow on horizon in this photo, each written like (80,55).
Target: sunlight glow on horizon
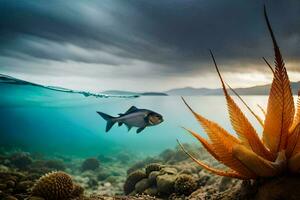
(208,80)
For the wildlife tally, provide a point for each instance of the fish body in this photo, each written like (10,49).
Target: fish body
(134,117)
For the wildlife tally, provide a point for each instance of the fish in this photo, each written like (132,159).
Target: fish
(133,117)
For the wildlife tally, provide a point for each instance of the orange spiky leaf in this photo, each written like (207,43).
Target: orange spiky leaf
(260,121)
(294,142)
(296,120)
(231,174)
(222,143)
(204,143)
(262,109)
(280,109)
(269,65)
(241,125)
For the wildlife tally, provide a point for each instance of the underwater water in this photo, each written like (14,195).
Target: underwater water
(40,120)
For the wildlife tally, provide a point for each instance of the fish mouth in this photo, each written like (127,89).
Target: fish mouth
(153,122)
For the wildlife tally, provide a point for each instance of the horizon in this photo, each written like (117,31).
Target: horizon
(141,91)
(145,46)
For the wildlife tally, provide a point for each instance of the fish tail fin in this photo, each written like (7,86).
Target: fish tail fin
(109,119)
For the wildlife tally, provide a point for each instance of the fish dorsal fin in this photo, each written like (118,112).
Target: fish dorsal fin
(131,109)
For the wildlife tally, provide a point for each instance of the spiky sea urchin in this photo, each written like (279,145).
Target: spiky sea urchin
(248,156)
(53,186)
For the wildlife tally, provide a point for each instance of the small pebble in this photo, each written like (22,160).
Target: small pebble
(9,190)
(10,198)
(2,186)
(107,184)
(24,185)
(36,198)
(10,184)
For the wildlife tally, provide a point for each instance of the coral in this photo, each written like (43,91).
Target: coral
(21,160)
(124,157)
(165,184)
(55,164)
(90,164)
(159,180)
(92,183)
(142,164)
(112,179)
(225,183)
(142,185)
(23,186)
(77,191)
(53,186)
(152,167)
(168,170)
(152,177)
(174,156)
(105,159)
(248,156)
(3,168)
(132,179)
(167,154)
(102,175)
(152,191)
(185,184)
(180,155)
(202,181)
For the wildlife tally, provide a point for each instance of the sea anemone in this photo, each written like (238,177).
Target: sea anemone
(248,156)
(53,186)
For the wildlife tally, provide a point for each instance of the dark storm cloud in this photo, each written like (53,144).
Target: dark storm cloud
(175,34)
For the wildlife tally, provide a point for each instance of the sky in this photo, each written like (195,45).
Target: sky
(143,45)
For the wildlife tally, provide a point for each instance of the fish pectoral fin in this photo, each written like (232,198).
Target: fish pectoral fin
(129,127)
(146,119)
(140,129)
(120,123)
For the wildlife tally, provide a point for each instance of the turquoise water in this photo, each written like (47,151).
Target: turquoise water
(41,120)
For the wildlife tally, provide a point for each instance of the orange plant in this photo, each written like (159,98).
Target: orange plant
(249,156)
